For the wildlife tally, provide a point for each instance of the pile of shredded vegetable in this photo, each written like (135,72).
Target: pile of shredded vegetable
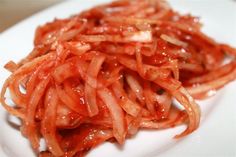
(112,70)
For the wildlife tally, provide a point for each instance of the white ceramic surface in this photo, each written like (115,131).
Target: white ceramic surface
(216,135)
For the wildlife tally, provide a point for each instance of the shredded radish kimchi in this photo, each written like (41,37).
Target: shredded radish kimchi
(110,71)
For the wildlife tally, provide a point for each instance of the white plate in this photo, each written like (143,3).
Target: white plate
(216,135)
